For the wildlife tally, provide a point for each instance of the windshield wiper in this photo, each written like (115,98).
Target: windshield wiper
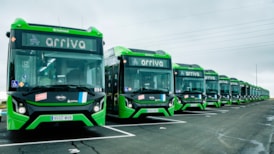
(146,90)
(36,89)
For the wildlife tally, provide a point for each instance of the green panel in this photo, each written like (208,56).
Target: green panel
(124,112)
(22,24)
(178,106)
(171,110)
(100,117)
(202,107)
(216,104)
(148,110)
(48,118)
(119,50)
(14,120)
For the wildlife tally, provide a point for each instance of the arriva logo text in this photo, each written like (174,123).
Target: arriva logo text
(65,43)
(152,62)
(197,74)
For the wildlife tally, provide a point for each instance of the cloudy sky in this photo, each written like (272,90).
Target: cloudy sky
(232,37)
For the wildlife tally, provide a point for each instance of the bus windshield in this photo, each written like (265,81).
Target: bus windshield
(224,87)
(34,68)
(136,79)
(189,85)
(212,86)
(235,89)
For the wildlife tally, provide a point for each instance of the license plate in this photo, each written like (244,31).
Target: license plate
(62,118)
(152,110)
(193,105)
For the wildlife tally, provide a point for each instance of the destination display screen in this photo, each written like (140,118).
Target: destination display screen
(234,83)
(30,39)
(209,77)
(191,73)
(223,81)
(149,62)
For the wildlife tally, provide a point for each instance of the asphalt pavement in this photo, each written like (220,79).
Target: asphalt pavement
(243,129)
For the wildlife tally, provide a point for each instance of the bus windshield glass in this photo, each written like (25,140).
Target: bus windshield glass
(235,89)
(212,86)
(34,68)
(189,85)
(224,87)
(138,79)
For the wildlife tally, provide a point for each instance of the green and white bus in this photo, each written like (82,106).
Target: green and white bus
(55,75)
(225,89)
(212,88)
(138,83)
(189,81)
(235,91)
(244,92)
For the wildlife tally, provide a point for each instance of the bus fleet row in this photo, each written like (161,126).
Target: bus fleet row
(62,75)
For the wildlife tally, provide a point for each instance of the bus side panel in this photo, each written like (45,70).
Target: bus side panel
(124,111)
(100,117)
(14,120)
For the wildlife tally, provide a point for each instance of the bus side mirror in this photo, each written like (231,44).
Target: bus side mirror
(119,57)
(8,34)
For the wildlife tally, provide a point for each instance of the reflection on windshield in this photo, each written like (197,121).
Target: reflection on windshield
(235,89)
(185,84)
(225,88)
(45,68)
(136,80)
(212,87)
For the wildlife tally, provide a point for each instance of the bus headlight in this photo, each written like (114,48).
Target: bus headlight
(19,107)
(98,106)
(128,103)
(22,110)
(171,103)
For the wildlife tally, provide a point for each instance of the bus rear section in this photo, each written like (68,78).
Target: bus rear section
(55,75)
(138,83)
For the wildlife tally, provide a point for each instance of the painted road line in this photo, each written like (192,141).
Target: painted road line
(217,110)
(126,134)
(166,119)
(170,121)
(121,131)
(197,113)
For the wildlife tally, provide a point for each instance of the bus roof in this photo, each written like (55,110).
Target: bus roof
(120,50)
(211,72)
(224,77)
(21,24)
(187,66)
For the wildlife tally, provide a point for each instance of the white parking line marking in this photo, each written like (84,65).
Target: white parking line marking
(171,121)
(121,131)
(217,110)
(127,134)
(197,113)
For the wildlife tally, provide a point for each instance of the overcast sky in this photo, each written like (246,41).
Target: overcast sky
(231,37)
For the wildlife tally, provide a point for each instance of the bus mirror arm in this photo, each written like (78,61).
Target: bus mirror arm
(8,34)
(219,96)
(204,96)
